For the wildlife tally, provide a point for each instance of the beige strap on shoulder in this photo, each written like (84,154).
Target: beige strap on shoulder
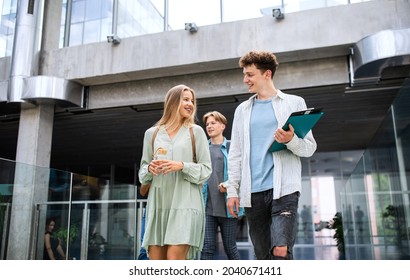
(193,143)
(153,140)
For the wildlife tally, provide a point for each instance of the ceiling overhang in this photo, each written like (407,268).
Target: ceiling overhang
(374,53)
(48,89)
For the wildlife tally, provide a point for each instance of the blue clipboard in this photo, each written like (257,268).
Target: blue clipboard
(302,121)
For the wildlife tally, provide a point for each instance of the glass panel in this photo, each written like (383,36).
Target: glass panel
(89,188)
(159,6)
(323,211)
(102,219)
(93,10)
(76,34)
(361,229)
(112,231)
(91,21)
(138,18)
(239,10)
(5,209)
(92,31)
(144,16)
(97,231)
(78,11)
(59,186)
(8,10)
(141,218)
(6,194)
(376,221)
(53,222)
(198,11)
(106,29)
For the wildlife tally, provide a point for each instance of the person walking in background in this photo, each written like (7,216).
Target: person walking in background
(358,215)
(52,245)
(175,217)
(307,223)
(214,192)
(267,184)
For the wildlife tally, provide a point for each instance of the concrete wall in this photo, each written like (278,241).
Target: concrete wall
(220,83)
(298,37)
(312,47)
(141,69)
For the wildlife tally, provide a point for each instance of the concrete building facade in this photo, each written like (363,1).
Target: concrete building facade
(350,59)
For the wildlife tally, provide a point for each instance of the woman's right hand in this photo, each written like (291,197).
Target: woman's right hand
(155,167)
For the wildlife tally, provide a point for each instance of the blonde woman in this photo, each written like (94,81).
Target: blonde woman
(175,209)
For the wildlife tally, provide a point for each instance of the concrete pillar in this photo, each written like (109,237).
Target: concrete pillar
(31,176)
(33,153)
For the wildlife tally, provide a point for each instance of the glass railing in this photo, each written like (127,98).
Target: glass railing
(92,218)
(97,220)
(7,170)
(93,230)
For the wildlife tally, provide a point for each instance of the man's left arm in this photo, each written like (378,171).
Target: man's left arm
(305,147)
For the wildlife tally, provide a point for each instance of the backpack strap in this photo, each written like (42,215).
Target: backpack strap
(193,143)
(145,187)
(153,139)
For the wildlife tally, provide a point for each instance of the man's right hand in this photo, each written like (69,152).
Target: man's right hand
(233,206)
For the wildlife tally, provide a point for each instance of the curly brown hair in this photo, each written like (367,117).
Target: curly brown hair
(262,60)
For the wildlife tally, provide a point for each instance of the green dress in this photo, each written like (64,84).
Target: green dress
(175,209)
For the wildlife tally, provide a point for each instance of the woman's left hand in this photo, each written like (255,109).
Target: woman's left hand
(168,166)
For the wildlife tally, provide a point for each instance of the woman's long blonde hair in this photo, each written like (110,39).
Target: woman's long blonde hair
(171,118)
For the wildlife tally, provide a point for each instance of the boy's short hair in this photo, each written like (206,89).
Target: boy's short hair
(218,117)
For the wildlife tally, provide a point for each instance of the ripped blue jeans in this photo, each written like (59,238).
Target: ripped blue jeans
(272,223)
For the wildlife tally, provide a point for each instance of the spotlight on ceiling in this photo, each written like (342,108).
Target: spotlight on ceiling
(278,14)
(191,27)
